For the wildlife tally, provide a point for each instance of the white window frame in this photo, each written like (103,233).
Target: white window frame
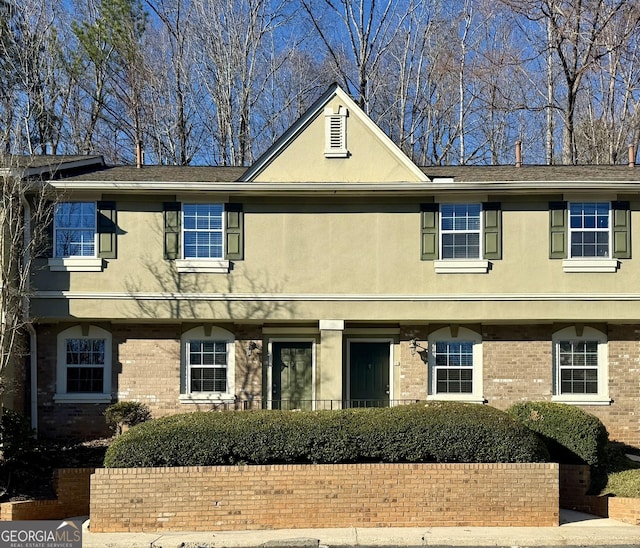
(594,230)
(82,332)
(75,263)
(463,265)
(207,334)
(212,265)
(461,334)
(454,231)
(586,334)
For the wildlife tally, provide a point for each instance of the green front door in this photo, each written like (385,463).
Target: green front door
(369,374)
(292,375)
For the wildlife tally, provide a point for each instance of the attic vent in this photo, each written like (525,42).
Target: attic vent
(335,133)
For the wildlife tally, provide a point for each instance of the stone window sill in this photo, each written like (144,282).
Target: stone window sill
(461,266)
(205,397)
(76,264)
(207,266)
(590,265)
(82,398)
(582,400)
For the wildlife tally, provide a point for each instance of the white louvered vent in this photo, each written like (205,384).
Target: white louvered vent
(336,133)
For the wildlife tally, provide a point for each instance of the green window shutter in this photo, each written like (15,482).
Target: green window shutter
(492,230)
(621,213)
(234,232)
(172,226)
(558,230)
(429,246)
(107,224)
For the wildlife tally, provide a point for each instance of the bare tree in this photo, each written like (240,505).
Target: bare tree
(34,89)
(229,68)
(578,31)
(25,212)
(368,27)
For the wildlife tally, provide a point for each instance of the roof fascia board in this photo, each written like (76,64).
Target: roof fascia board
(268,189)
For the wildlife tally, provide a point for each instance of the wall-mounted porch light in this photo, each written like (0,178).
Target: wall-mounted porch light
(415,346)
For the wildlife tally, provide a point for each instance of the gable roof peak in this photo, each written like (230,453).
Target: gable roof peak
(353,110)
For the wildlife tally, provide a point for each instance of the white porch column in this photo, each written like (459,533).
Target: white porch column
(330,370)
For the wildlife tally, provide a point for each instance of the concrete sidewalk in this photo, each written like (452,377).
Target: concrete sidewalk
(576,529)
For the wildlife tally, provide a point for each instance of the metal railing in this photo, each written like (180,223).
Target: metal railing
(305,405)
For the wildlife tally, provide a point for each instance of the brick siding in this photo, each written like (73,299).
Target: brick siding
(315,496)
(517,363)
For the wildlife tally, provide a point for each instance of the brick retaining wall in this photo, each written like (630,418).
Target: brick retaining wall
(315,496)
(72,490)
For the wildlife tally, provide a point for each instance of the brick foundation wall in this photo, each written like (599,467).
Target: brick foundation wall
(72,486)
(315,496)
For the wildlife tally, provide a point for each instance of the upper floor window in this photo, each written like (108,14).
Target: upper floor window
(589,229)
(580,366)
(75,229)
(455,365)
(203,237)
(84,365)
(202,231)
(460,229)
(590,236)
(208,365)
(461,237)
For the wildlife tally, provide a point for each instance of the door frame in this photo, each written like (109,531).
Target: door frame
(270,343)
(390,341)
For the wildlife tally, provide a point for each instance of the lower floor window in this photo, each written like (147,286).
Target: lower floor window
(581,369)
(85,365)
(578,363)
(454,367)
(207,366)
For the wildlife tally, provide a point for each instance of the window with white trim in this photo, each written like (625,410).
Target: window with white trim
(580,365)
(455,365)
(208,365)
(589,229)
(84,365)
(202,231)
(75,229)
(453,369)
(460,231)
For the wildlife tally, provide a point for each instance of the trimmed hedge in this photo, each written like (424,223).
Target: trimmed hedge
(433,432)
(573,436)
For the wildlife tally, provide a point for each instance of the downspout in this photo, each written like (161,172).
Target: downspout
(33,340)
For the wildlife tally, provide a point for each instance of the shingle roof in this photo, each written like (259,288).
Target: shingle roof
(169,174)
(531,173)
(45,160)
(461,174)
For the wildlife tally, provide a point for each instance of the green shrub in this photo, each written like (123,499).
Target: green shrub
(435,432)
(572,435)
(16,436)
(126,413)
